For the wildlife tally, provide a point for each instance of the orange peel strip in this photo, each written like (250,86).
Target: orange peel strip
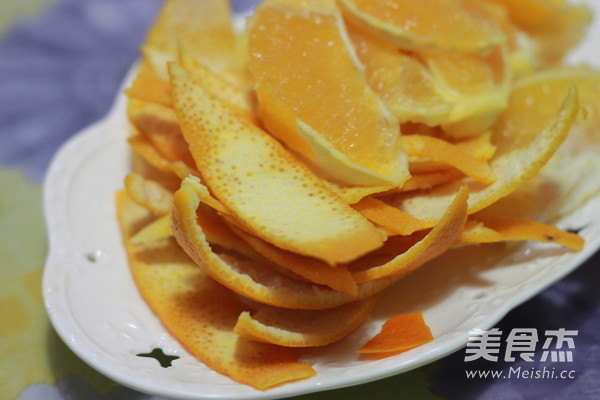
(312,269)
(199,312)
(399,333)
(263,186)
(512,165)
(428,180)
(147,87)
(440,150)
(252,279)
(304,328)
(443,235)
(149,194)
(241,101)
(393,220)
(520,229)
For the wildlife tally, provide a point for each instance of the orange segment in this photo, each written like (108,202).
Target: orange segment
(440,150)
(443,235)
(401,80)
(255,280)
(199,312)
(441,25)
(395,221)
(520,229)
(314,97)
(312,269)
(304,328)
(263,186)
(519,157)
(399,333)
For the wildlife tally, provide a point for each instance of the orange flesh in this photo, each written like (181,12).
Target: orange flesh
(447,24)
(304,70)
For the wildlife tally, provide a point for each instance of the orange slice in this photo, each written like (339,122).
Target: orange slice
(443,235)
(263,186)
(304,328)
(441,25)
(398,334)
(508,229)
(401,80)
(199,312)
(519,157)
(314,97)
(253,279)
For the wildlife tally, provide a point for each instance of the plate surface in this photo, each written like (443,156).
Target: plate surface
(96,309)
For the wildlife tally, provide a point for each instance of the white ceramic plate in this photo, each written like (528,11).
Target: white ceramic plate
(96,309)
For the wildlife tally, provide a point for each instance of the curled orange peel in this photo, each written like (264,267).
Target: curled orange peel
(264,187)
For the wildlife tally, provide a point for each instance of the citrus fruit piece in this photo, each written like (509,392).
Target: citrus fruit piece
(573,171)
(157,230)
(253,279)
(205,26)
(478,84)
(304,328)
(242,101)
(265,188)
(479,147)
(451,25)
(312,269)
(511,229)
(555,25)
(200,313)
(313,95)
(159,125)
(393,220)
(399,333)
(443,235)
(353,194)
(149,88)
(149,194)
(519,156)
(442,151)
(428,180)
(401,80)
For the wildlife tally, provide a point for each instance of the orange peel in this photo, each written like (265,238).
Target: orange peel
(517,160)
(199,312)
(443,235)
(255,280)
(304,328)
(264,187)
(398,334)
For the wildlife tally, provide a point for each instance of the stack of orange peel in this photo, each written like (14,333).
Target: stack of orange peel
(285,176)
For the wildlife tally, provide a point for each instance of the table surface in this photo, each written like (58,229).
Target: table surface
(59,72)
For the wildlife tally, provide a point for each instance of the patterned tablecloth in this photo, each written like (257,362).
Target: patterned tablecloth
(59,72)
